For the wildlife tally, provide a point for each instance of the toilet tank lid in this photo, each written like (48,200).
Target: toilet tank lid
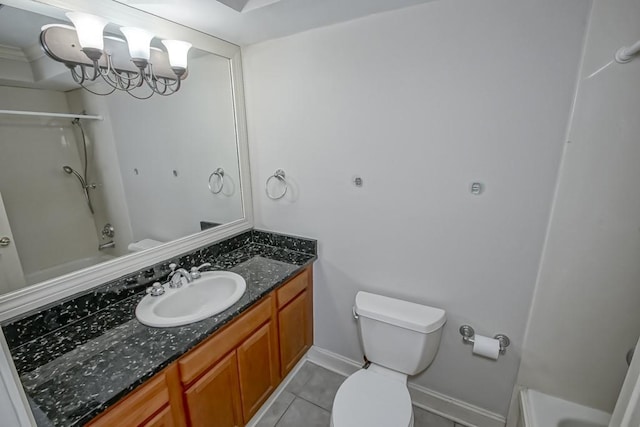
(405,314)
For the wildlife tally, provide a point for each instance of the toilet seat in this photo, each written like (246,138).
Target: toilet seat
(372,399)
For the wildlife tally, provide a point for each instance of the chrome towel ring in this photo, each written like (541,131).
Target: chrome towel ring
(220,174)
(278,175)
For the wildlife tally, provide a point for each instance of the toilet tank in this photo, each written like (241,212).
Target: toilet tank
(397,334)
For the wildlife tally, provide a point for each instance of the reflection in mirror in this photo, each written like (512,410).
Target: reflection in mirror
(129,176)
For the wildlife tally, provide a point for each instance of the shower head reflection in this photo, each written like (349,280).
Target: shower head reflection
(83,183)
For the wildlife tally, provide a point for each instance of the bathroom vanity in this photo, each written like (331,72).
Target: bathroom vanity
(89,361)
(225,379)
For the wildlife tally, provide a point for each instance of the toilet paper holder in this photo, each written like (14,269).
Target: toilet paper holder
(468,333)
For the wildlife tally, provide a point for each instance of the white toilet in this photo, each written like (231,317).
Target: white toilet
(399,338)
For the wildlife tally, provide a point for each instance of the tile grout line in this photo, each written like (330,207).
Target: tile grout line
(314,404)
(297,396)
(283,412)
(307,382)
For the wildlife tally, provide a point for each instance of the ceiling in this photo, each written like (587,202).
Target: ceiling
(246,22)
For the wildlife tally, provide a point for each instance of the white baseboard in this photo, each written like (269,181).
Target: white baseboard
(461,412)
(333,361)
(432,401)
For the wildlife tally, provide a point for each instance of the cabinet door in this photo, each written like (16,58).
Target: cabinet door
(294,326)
(214,400)
(163,419)
(200,359)
(257,369)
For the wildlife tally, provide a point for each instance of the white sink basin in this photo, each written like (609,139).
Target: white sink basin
(209,295)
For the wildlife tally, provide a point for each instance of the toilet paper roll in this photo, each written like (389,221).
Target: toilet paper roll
(486,347)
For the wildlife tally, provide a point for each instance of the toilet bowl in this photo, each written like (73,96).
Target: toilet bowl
(371,397)
(399,338)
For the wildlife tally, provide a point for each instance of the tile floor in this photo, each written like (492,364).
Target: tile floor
(307,401)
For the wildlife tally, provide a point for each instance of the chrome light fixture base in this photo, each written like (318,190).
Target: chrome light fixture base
(92,53)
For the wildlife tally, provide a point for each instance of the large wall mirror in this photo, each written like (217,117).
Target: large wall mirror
(125,177)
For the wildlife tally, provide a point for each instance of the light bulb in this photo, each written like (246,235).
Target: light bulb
(139,42)
(89,29)
(177,51)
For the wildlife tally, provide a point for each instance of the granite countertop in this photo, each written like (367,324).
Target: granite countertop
(74,372)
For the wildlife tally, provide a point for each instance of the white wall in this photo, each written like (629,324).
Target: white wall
(585,313)
(14,69)
(192,132)
(49,217)
(421,102)
(108,198)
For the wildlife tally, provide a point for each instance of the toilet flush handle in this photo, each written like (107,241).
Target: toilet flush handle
(355,315)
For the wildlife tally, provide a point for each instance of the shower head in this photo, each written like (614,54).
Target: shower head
(70,170)
(83,184)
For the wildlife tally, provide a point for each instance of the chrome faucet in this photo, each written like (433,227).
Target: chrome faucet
(176,276)
(195,271)
(103,246)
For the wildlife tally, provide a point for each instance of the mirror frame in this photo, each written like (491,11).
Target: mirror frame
(31,297)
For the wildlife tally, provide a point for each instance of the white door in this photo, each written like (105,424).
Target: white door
(11,276)
(627,410)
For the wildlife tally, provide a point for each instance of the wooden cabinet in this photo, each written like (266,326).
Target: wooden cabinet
(163,419)
(251,342)
(293,342)
(257,369)
(149,405)
(214,400)
(225,380)
(295,320)
(207,353)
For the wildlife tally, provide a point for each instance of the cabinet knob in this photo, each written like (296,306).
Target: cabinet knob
(5,241)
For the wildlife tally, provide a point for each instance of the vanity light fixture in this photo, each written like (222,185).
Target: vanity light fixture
(123,64)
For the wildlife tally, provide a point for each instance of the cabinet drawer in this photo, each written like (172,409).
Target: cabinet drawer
(292,288)
(202,357)
(139,406)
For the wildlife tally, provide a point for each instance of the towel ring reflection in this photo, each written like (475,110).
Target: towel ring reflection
(220,174)
(279,175)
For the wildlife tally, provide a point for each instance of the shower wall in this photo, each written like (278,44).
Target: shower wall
(49,217)
(104,169)
(584,317)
